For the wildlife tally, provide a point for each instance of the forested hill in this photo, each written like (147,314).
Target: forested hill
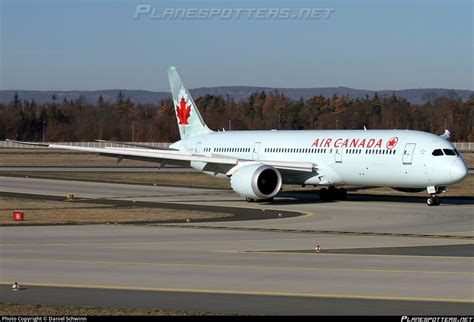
(122,119)
(414,96)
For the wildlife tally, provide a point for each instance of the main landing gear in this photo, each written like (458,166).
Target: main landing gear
(433,199)
(270,200)
(332,193)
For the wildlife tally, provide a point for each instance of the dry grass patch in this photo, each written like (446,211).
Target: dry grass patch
(66,212)
(59,310)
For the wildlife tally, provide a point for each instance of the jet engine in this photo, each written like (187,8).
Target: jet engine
(256,181)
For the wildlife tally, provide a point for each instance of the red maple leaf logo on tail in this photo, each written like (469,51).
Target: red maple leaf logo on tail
(183,112)
(392,142)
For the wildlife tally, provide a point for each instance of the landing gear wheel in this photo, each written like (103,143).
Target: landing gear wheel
(249,200)
(433,201)
(324,194)
(430,201)
(332,193)
(341,194)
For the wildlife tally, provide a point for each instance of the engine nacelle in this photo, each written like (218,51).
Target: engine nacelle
(256,181)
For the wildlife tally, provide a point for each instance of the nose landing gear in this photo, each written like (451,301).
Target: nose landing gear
(433,199)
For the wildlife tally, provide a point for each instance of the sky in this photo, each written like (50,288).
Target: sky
(128,44)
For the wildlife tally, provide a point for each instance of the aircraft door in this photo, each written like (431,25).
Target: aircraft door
(408,153)
(338,155)
(256,149)
(197,148)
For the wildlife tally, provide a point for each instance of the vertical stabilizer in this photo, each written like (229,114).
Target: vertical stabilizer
(190,122)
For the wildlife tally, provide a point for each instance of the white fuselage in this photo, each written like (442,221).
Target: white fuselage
(393,158)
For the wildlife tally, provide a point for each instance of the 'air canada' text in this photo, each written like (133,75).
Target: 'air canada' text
(352,143)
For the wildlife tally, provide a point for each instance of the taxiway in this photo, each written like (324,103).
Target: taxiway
(380,255)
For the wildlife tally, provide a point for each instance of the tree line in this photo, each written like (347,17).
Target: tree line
(125,120)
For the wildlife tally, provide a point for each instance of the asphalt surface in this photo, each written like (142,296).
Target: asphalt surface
(466,250)
(227,303)
(379,255)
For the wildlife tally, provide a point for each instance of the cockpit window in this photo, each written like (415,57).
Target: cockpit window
(449,152)
(457,153)
(437,152)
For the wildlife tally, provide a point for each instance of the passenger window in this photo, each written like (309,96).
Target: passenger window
(437,152)
(449,152)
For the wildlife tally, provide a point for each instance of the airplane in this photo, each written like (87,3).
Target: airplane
(257,163)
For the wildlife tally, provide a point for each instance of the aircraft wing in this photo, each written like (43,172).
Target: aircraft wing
(137,145)
(213,163)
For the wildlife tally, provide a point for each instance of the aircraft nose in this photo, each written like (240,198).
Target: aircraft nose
(459,170)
